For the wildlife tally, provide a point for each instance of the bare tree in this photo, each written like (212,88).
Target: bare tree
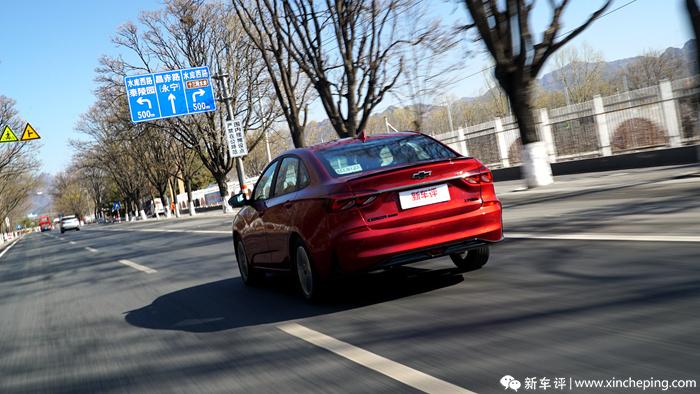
(429,64)
(96,182)
(153,148)
(495,101)
(15,195)
(261,20)
(17,175)
(650,68)
(189,33)
(187,165)
(10,117)
(69,195)
(580,72)
(110,147)
(518,60)
(350,50)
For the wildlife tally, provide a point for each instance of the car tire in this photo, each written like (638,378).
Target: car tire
(77,229)
(471,259)
(249,275)
(308,280)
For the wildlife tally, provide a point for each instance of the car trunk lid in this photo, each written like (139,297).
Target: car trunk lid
(417,193)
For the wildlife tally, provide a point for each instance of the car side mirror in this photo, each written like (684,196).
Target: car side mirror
(237,200)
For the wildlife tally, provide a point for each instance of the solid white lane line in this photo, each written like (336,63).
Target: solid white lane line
(607,237)
(138,266)
(72,242)
(89,249)
(8,248)
(392,369)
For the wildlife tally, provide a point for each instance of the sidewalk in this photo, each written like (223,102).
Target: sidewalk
(514,193)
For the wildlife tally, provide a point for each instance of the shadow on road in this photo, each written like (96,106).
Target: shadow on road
(228,303)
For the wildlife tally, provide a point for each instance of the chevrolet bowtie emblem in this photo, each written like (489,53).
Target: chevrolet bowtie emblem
(421,174)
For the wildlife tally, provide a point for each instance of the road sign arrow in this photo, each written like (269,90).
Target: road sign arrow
(171,98)
(200,92)
(142,100)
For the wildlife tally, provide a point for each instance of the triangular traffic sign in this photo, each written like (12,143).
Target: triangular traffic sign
(8,135)
(29,133)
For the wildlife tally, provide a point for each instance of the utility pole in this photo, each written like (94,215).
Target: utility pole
(226,98)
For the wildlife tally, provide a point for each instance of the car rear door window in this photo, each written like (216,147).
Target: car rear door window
(287,176)
(262,189)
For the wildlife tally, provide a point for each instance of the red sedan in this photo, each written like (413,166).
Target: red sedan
(364,204)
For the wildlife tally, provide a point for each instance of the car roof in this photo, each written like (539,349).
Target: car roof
(358,140)
(345,141)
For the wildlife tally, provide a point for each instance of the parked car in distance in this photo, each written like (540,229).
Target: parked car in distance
(365,204)
(70,222)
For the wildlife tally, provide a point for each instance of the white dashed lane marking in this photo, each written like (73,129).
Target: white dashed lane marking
(383,365)
(137,266)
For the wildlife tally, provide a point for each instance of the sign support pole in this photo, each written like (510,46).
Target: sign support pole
(226,93)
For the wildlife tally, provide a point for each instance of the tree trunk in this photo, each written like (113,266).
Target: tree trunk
(142,210)
(298,138)
(223,190)
(536,169)
(190,202)
(694,14)
(175,201)
(165,201)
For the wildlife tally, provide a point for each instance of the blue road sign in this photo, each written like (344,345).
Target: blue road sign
(170,93)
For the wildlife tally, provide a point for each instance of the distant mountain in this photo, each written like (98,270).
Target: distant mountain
(40,201)
(551,80)
(322,130)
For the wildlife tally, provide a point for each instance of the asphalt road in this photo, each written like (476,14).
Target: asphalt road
(592,286)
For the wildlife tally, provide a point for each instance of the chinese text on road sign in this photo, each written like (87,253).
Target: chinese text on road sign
(170,93)
(236,139)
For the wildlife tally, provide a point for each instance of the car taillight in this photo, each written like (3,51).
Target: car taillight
(342,204)
(483,177)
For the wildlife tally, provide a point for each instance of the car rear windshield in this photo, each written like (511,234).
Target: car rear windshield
(382,152)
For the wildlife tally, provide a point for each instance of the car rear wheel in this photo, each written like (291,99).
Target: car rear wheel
(308,279)
(471,259)
(249,275)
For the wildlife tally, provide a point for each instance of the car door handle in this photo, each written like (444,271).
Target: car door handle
(287,204)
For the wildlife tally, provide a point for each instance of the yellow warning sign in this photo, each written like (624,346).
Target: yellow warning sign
(29,133)
(8,135)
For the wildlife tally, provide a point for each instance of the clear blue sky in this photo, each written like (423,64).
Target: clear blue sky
(49,51)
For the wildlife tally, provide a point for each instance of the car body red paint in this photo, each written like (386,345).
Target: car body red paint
(353,220)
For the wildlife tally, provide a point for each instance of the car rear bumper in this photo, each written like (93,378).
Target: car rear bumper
(372,249)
